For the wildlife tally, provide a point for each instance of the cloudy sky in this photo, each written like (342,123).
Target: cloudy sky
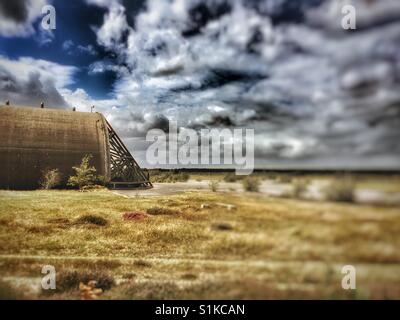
(317,96)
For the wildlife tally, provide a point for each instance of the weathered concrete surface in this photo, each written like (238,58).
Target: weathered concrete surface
(35,139)
(315,191)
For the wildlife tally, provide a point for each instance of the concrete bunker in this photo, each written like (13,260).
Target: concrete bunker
(36,139)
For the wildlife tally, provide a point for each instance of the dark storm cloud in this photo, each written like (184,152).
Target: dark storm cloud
(216,78)
(284,11)
(29,82)
(17,17)
(139,124)
(201,13)
(16,10)
(32,91)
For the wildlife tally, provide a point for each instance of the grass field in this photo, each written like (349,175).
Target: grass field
(192,246)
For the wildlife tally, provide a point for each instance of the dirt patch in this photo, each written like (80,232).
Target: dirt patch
(132,216)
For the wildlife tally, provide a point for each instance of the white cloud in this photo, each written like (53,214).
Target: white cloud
(72,49)
(82,101)
(44,37)
(114,26)
(67,45)
(88,49)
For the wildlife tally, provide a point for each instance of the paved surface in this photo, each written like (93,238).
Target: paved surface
(315,190)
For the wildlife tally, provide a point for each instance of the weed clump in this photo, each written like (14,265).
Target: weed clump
(70,280)
(214,185)
(251,184)
(341,190)
(189,276)
(92,220)
(222,226)
(299,188)
(51,178)
(231,177)
(142,263)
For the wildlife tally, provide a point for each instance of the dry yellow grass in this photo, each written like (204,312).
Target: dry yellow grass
(274,248)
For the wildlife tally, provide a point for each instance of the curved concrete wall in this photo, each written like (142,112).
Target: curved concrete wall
(35,139)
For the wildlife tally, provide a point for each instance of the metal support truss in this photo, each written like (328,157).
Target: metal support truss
(125,171)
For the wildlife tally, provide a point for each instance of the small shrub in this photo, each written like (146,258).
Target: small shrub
(341,190)
(69,280)
(183,177)
(157,211)
(50,179)
(299,188)
(213,184)
(92,219)
(251,184)
(85,175)
(230,177)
